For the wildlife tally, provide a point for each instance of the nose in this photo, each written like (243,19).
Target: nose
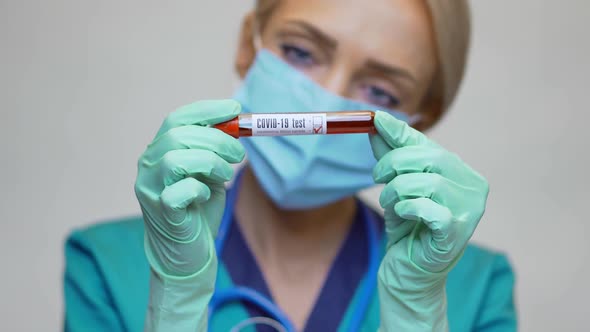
(337,81)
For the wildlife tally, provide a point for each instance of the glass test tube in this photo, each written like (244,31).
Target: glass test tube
(314,123)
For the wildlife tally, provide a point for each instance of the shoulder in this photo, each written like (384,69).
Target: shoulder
(117,244)
(106,278)
(479,260)
(109,233)
(113,246)
(480,288)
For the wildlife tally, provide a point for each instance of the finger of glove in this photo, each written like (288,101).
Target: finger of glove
(435,216)
(379,146)
(178,258)
(428,185)
(409,187)
(195,137)
(396,228)
(213,212)
(415,159)
(203,165)
(435,251)
(178,224)
(397,133)
(202,113)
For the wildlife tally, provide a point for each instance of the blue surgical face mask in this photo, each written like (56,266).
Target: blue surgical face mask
(300,172)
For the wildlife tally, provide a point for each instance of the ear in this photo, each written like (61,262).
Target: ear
(246,51)
(430,113)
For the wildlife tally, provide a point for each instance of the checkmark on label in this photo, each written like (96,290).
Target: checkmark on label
(317,130)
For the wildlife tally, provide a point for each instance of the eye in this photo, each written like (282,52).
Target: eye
(379,97)
(297,56)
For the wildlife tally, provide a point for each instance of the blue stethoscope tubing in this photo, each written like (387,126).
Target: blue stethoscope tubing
(368,283)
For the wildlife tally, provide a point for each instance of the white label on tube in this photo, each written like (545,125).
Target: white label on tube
(289,124)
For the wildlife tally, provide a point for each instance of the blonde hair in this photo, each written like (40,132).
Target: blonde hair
(452,28)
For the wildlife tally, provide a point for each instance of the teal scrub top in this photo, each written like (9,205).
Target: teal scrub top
(106,286)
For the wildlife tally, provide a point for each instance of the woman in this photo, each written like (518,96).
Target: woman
(292,234)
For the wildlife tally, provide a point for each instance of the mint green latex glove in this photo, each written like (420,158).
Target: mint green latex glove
(433,202)
(180,187)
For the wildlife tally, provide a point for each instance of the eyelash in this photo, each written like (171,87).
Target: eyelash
(297,56)
(379,97)
(302,58)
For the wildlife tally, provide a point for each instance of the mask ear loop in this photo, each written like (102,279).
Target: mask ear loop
(413,119)
(257,36)
(257,42)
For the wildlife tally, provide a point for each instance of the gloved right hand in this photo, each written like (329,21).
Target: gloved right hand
(180,188)
(432,202)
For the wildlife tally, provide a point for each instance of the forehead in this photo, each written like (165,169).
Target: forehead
(398,32)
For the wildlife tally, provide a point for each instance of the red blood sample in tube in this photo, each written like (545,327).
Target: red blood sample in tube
(315,123)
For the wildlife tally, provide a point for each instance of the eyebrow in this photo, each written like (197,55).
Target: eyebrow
(315,33)
(390,70)
(377,66)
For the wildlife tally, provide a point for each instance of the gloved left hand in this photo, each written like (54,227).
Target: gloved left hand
(180,188)
(433,202)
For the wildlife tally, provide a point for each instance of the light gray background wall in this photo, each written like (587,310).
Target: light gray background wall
(84,86)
